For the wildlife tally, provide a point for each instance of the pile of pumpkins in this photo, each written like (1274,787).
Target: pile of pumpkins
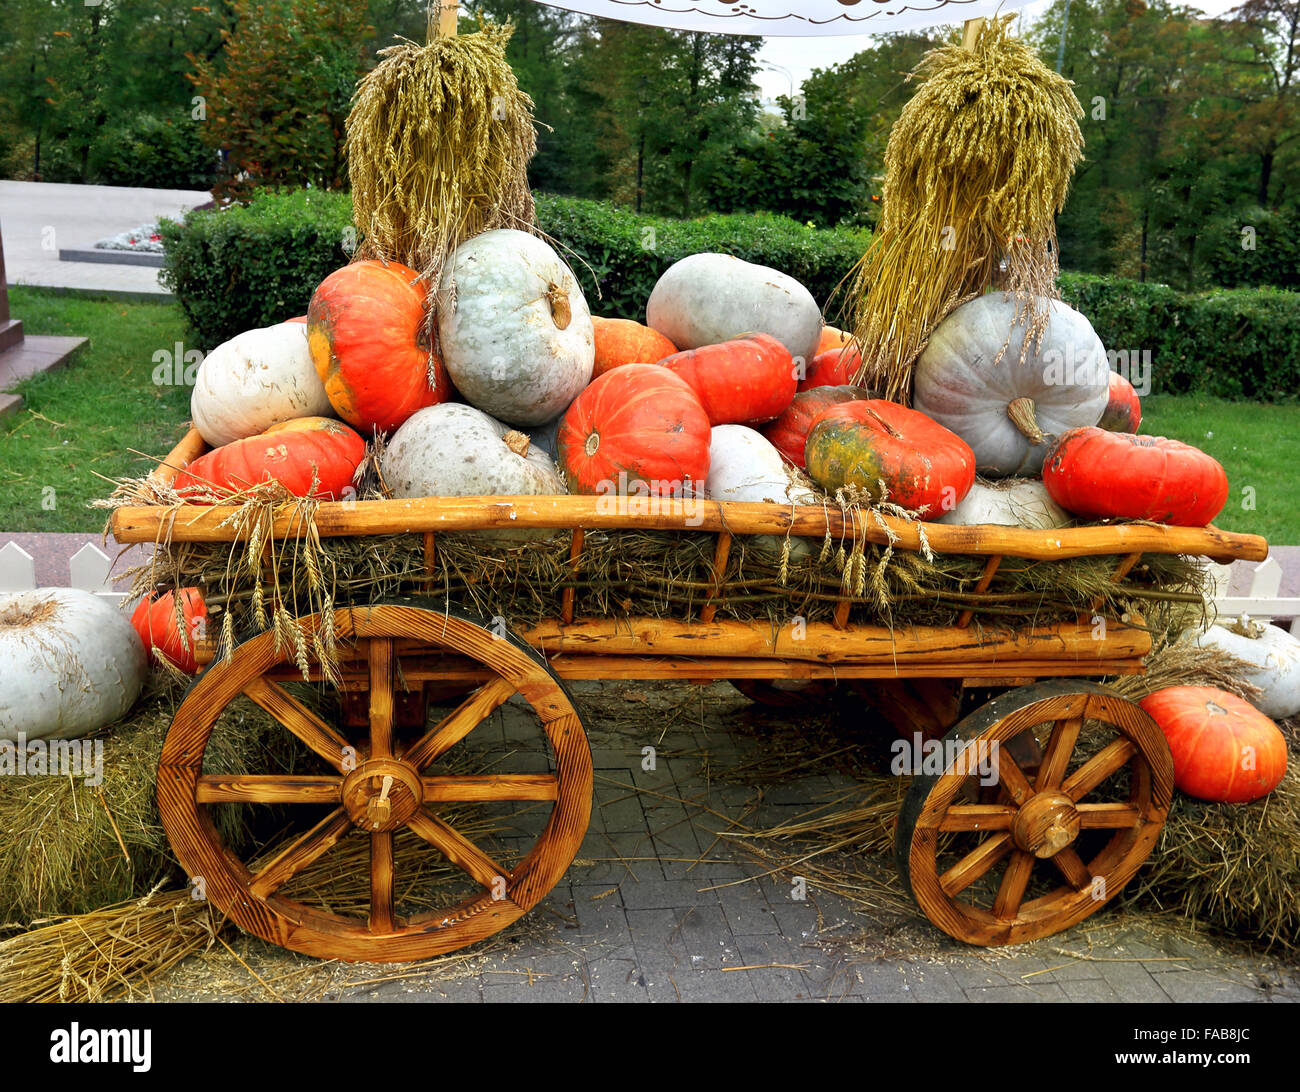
(732,389)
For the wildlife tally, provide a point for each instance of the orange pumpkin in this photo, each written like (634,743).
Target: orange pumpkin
(1225,750)
(1115,475)
(924,467)
(789,432)
(832,339)
(1123,411)
(155,621)
(623,341)
(637,429)
(370,343)
(290,453)
(833,368)
(745,381)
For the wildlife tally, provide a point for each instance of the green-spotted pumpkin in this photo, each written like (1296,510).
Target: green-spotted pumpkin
(877,447)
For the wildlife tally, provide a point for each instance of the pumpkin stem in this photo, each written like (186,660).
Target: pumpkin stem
(1021,412)
(882,423)
(561,311)
(516,441)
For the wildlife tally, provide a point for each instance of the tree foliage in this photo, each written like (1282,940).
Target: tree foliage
(277,96)
(1192,124)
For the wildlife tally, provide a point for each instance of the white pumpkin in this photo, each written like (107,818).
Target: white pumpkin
(1006,409)
(454,450)
(744,466)
(1275,655)
(255,380)
(70,663)
(1012,502)
(514,328)
(706,299)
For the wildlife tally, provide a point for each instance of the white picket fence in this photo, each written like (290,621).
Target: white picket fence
(1262,602)
(88,569)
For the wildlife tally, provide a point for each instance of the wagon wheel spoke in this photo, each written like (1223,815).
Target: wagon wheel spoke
(1056,759)
(301,853)
(459,723)
(382,919)
(380,656)
(300,720)
(457,848)
(267,789)
(1014,881)
(977,862)
(1012,778)
(1092,773)
(1108,816)
(490,787)
(978,817)
(1072,868)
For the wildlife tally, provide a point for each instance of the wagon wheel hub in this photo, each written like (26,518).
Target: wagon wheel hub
(382,794)
(1046,824)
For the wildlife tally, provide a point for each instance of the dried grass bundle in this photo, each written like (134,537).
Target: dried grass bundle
(121,950)
(70,845)
(106,953)
(978,164)
(438,144)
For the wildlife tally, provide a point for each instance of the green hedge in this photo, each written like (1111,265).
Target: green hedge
(1229,343)
(618,255)
(244,267)
(250,266)
(145,150)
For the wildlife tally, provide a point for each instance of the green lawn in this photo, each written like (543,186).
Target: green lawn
(85,420)
(1258,445)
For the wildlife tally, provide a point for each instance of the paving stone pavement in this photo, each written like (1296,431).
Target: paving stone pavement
(658,907)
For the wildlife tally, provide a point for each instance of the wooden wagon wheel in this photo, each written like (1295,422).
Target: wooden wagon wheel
(1055,846)
(377,786)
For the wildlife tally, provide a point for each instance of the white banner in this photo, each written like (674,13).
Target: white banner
(790,18)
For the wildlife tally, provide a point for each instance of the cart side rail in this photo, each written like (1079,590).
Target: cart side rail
(199,523)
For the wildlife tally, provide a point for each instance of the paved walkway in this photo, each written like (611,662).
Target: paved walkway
(38,219)
(658,907)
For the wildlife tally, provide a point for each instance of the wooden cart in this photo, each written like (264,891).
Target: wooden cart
(1070,819)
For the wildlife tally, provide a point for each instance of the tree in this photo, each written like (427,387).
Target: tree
(74,76)
(1269,124)
(1160,87)
(821,160)
(279,92)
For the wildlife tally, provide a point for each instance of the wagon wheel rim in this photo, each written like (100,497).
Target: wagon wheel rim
(1034,830)
(377,788)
